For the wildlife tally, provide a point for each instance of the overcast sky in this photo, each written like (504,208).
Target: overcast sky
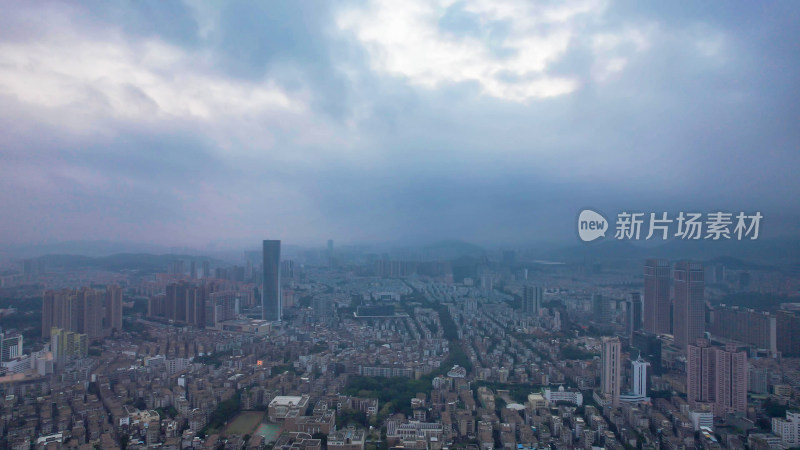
(489,121)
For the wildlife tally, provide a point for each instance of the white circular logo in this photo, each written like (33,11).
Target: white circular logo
(591,225)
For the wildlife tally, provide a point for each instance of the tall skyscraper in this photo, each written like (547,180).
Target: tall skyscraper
(195,307)
(602,312)
(59,309)
(690,304)
(656,296)
(330,253)
(611,373)
(113,308)
(175,302)
(93,313)
(271,292)
(633,314)
(532,300)
(48,306)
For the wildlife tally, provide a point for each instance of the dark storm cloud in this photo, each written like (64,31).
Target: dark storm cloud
(290,41)
(186,124)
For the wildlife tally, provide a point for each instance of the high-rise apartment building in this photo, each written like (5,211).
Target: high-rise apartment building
(633,314)
(113,308)
(689,324)
(175,301)
(656,296)
(79,311)
(287,271)
(48,311)
(756,328)
(532,300)
(10,346)
(223,305)
(640,377)
(716,377)
(787,324)
(611,369)
(700,373)
(271,291)
(177,268)
(56,310)
(731,380)
(183,302)
(602,311)
(649,346)
(68,345)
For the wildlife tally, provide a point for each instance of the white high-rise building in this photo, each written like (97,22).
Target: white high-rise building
(640,377)
(10,346)
(638,382)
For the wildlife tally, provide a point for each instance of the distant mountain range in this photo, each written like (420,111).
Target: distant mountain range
(741,254)
(451,249)
(746,254)
(121,261)
(86,248)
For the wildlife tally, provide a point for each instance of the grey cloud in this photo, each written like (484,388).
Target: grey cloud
(674,130)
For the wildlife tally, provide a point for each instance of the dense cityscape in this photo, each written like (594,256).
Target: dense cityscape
(347,350)
(399,225)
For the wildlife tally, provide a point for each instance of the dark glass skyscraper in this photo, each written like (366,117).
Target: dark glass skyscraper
(271,292)
(656,296)
(601,310)
(633,315)
(690,316)
(532,300)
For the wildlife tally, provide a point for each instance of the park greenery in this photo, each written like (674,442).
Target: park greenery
(573,352)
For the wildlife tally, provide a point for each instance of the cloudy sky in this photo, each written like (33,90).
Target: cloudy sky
(490,121)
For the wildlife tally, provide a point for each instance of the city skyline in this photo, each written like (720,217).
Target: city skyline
(459,334)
